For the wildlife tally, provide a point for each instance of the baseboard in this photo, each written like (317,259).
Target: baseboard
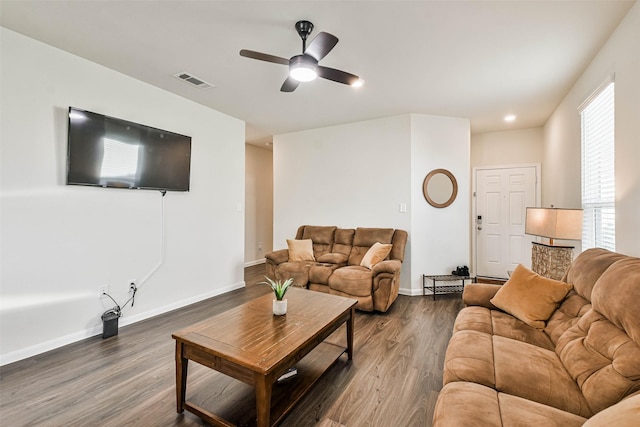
(410,292)
(36,349)
(256,262)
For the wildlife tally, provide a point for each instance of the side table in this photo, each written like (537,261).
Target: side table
(449,283)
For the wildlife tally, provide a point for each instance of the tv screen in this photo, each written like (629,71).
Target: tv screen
(108,152)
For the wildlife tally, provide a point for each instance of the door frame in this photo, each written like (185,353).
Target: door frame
(472,222)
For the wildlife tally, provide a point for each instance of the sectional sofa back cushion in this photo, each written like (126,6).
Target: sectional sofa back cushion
(322,236)
(583,274)
(343,241)
(602,350)
(364,238)
(399,241)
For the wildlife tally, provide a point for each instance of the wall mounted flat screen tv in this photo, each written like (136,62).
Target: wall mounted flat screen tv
(109,152)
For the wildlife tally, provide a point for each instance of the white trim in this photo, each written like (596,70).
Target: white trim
(36,349)
(611,78)
(410,292)
(472,223)
(256,262)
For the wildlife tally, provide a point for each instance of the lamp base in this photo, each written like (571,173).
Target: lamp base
(551,261)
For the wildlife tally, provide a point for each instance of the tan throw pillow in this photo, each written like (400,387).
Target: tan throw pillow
(530,297)
(375,254)
(300,250)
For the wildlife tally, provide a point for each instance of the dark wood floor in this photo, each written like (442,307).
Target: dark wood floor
(129,380)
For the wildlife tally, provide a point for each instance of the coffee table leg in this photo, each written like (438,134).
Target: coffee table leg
(350,324)
(263,400)
(181,377)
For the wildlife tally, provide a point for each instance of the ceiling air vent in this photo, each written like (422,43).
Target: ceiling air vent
(193,80)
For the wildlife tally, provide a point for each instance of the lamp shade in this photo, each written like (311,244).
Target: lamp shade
(554,223)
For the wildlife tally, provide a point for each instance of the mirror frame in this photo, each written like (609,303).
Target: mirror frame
(454,191)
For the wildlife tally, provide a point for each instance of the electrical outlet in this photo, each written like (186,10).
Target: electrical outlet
(259,246)
(103,290)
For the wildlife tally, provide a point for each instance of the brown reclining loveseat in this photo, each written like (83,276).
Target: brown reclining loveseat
(335,266)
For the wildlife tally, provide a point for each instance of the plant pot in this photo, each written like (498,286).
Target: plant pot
(279,307)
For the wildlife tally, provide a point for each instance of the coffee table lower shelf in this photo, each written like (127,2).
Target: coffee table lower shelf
(238,405)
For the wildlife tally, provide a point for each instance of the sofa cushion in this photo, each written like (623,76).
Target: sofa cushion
(516,411)
(333,258)
(623,414)
(364,238)
(375,254)
(322,237)
(297,270)
(320,273)
(571,309)
(537,374)
(469,404)
(513,367)
(601,350)
(495,322)
(352,280)
(603,360)
(530,297)
(300,250)
(469,357)
(587,268)
(612,293)
(343,241)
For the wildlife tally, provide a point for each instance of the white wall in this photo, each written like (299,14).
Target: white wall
(561,170)
(510,147)
(440,236)
(358,174)
(60,243)
(258,218)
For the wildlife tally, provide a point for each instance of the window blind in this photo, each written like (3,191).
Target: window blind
(598,177)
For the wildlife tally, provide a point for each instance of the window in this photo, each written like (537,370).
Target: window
(598,179)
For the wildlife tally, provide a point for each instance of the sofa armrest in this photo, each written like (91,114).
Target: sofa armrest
(480,294)
(391,266)
(278,257)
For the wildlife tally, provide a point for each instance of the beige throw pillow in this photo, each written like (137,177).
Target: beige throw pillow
(375,254)
(300,250)
(530,297)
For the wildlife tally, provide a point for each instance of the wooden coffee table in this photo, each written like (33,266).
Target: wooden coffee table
(252,345)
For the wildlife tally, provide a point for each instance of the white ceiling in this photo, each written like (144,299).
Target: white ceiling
(476,59)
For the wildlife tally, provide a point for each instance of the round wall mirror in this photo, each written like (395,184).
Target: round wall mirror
(440,188)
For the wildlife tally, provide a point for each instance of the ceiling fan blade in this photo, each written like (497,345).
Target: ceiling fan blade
(321,45)
(289,85)
(263,57)
(337,75)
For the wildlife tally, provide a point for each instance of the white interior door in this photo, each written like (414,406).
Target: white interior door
(502,196)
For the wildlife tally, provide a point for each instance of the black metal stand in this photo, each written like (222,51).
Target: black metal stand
(447,287)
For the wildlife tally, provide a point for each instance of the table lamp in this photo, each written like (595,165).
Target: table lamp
(554,223)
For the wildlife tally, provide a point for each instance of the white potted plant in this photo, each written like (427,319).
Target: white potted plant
(279,289)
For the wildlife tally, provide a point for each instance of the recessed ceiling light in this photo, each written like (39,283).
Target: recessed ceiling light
(509,117)
(358,83)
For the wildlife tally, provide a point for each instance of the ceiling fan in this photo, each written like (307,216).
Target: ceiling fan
(305,67)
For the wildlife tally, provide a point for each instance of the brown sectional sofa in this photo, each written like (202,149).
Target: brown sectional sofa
(583,368)
(336,269)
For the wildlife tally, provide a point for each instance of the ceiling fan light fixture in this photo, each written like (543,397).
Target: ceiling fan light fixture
(302,68)
(357,83)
